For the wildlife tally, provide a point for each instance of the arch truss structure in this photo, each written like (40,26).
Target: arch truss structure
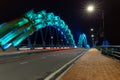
(15,31)
(82,42)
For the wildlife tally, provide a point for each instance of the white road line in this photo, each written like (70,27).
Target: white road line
(58,78)
(24,62)
(43,57)
(54,73)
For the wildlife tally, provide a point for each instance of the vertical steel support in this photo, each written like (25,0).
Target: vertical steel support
(35,39)
(43,41)
(29,42)
(57,34)
(46,33)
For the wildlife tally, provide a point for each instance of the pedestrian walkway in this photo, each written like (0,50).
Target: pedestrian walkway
(93,66)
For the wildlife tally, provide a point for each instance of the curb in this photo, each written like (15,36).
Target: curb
(58,72)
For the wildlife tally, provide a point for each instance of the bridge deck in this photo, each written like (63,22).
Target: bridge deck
(93,66)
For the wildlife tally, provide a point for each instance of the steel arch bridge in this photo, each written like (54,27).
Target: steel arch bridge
(15,31)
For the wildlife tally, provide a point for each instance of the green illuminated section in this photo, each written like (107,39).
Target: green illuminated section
(22,22)
(28,31)
(7,28)
(20,39)
(13,32)
(23,36)
(39,26)
(8,37)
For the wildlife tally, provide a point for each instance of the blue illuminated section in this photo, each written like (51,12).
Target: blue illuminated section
(1,25)
(58,29)
(105,43)
(62,33)
(83,41)
(1,39)
(4,47)
(43,19)
(75,46)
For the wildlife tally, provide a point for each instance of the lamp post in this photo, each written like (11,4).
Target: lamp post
(92,37)
(90,9)
(102,28)
(52,41)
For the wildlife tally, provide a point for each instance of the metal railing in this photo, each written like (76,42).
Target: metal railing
(111,50)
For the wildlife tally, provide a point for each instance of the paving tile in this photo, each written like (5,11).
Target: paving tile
(93,66)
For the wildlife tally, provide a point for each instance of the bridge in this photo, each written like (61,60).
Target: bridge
(14,32)
(40,46)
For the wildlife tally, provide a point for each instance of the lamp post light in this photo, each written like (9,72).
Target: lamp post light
(93,40)
(52,41)
(92,35)
(91,29)
(62,43)
(90,8)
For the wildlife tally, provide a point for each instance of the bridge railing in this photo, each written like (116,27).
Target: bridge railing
(112,51)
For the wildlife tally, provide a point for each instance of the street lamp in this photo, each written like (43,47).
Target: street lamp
(52,41)
(92,35)
(90,8)
(91,29)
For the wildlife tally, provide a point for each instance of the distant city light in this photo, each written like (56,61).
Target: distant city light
(62,40)
(75,46)
(91,29)
(51,37)
(92,35)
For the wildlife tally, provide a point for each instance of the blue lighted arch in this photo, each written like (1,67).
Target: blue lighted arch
(82,42)
(19,29)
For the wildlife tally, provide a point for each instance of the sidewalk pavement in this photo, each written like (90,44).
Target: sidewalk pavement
(93,66)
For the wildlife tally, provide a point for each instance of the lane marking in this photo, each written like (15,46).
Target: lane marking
(58,78)
(24,62)
(43,57)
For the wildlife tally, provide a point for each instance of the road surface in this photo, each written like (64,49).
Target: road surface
(37,67)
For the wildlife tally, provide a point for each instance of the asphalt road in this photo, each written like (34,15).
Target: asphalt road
(37,67)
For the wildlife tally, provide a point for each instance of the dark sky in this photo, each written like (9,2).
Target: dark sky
(72,12)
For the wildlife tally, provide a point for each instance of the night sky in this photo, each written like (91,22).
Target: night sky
(73,13)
